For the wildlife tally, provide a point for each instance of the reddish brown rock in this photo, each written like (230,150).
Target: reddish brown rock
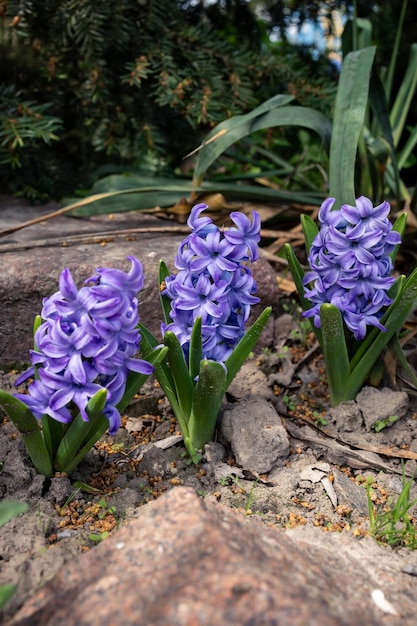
(188,563)
(32,259)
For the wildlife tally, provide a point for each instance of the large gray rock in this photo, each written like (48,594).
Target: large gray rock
(187,562)
(32,259)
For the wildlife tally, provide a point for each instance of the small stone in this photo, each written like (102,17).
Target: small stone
(285,376)
(256,435)
(214,452)
(60,490)
(250,380)
(154,462)
(377,405)
(346,416)
(350,494)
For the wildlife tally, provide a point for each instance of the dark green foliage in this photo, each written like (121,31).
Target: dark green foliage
(135,83)
(22,123)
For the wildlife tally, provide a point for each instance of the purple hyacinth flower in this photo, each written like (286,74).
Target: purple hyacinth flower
(87,341)
(212,283)
(350,263)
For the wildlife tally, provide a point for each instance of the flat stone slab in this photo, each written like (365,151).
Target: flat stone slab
(32,259)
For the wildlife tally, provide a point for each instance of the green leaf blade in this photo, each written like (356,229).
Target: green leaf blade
(163,273)
(273,112)
(8,510)
(335,352)
(349,116)
(28,427)
(310,230)
(208,396)
(196,350)
(184,386)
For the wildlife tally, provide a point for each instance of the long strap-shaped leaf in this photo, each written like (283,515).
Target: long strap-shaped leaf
(310,230)
(208,396)
(335,351)
(162,372)
(405,96)
(183,383)
(135,380)
(196,350)
(269,114)
(382,124)
(350,109)
(163,273)
(29,430)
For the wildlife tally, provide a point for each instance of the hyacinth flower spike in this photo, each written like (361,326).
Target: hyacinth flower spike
(84,367)
(356,307)
(206,306)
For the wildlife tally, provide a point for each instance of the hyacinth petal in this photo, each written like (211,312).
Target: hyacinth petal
(86,298)
(67,285)
(61,398)
(81,400)
(140,366)
(246,236)
(30,372)
(200,225)
(248,226)
(135,275)
(113,416)
(76,368)
(328,215)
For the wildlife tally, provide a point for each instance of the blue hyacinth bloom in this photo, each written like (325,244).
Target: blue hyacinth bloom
(212,282)
(87,341)
(350,266)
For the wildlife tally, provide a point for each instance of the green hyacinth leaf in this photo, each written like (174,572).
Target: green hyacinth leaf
(310,230)
(350,109)
(208,396)
(8,510)
(394,319)
(297,273)
(163,273)
(184,386)
(196,350)
(334,351)
(28,427)
(6,592)
(135,380)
